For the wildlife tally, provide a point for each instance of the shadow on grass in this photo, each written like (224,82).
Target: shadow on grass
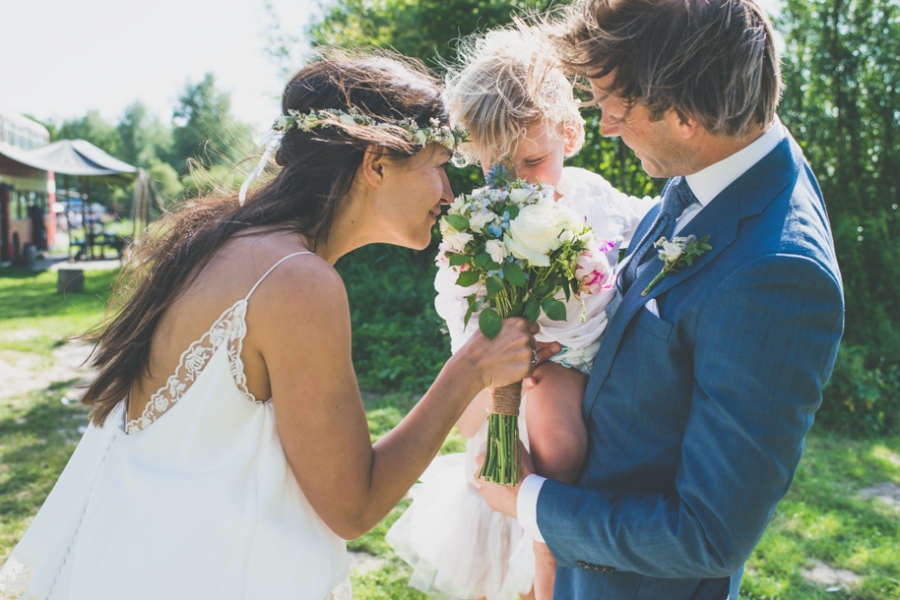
(26,293)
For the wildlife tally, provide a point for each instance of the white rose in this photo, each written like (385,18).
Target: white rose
(533,234)
(519,195)
(421,137)
(456,240)
(458,204)
(496,249)
(478,220)
(670,251)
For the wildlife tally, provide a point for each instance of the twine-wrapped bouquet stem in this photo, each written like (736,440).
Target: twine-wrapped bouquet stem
(502,455)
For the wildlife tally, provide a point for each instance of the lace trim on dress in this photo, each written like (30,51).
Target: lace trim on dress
(14,578)
(228,330)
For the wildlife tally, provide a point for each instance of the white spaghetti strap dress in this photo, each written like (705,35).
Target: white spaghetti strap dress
(193,500)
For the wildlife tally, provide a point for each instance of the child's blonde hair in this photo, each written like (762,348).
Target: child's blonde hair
(505,81)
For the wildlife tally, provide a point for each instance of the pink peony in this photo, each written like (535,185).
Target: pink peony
(593,272)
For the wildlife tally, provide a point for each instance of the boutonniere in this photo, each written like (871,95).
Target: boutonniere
(676,255)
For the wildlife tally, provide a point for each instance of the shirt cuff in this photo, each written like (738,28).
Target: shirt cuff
(526,505)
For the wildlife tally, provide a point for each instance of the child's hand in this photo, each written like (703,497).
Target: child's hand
(503,498)
(545,350)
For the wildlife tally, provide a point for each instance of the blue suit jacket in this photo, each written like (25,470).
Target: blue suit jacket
(697,418)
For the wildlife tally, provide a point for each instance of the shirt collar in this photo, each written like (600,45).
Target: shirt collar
(707,183)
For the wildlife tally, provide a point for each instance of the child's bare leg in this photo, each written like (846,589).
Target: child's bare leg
(558,439)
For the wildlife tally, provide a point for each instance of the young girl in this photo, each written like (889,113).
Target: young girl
(520,111)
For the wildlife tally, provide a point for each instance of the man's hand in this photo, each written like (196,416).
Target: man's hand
(503,498)
(544,352)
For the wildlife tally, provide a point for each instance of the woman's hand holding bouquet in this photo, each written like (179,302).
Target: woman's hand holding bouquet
(528,253)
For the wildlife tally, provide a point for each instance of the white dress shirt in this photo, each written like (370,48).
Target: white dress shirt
(706,184)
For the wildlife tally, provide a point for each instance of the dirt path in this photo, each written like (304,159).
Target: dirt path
(23,372)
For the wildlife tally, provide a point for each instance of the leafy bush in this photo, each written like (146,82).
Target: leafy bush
(862,400)
(398,342)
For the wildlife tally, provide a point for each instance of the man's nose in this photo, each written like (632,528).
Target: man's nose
(607,127)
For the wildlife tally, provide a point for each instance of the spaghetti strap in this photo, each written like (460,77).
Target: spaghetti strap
(272,268)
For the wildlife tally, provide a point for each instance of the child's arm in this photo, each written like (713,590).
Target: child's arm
(556,430)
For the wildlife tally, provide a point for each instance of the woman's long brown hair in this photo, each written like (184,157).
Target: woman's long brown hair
(318,168)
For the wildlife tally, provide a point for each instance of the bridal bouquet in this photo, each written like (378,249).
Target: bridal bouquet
(526,252)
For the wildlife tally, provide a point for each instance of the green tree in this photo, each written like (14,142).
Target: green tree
(842,103)
(204,128)
(143,136)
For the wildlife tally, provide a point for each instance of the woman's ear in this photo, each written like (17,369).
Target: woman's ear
(574,135)
(372,168)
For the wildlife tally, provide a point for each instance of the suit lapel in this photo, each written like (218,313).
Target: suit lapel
(747,196)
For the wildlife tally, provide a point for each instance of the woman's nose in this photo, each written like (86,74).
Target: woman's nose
(447,191)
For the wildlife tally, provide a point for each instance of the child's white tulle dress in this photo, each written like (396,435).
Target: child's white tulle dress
(458,547)
(193,500)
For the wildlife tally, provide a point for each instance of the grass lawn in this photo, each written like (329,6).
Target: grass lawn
(823,518)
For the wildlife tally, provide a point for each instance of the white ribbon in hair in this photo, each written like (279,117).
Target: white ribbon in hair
(271,141)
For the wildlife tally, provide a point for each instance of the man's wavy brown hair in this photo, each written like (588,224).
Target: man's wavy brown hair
(711,60)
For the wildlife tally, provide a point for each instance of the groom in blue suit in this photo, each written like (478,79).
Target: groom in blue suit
(707,382)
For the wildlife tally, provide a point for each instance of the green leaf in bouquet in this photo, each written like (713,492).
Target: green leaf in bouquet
(494,285)
(513,210)
(467,278)
(472,308)
(573,283)
(514,274)
(564,284)
(457,222)
(482,259)
(532,309)
(457,260)
(554,309)
(490,323)
(543,289)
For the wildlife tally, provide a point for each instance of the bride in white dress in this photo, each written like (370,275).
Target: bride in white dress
(228,455)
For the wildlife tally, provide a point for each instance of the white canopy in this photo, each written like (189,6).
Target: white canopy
(69,157)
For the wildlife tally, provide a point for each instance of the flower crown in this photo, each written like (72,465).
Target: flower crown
(449,138)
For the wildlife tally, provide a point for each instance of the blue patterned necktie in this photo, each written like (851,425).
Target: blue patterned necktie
(677,198)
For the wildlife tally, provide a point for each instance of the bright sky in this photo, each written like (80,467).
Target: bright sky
(60,58)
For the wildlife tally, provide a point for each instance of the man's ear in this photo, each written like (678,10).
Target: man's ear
(687,125)
(372,168)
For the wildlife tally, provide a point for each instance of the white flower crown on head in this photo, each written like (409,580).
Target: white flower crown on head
(448,137)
